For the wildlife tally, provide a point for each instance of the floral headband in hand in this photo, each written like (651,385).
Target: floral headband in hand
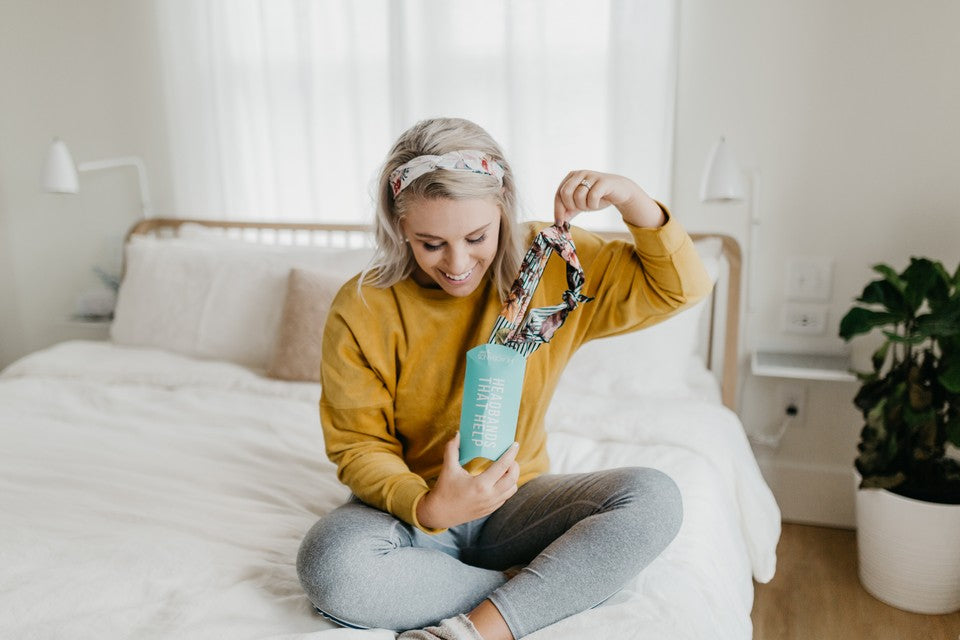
(463,160)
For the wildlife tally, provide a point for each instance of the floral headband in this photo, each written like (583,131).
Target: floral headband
(463,160)
(526,335)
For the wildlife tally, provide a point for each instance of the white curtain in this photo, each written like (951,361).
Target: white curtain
(284,109)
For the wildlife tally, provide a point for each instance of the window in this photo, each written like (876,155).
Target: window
(284,109)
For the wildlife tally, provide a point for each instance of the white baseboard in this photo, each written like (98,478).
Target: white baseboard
(811,493)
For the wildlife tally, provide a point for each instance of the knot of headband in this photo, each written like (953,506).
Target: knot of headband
(463,160)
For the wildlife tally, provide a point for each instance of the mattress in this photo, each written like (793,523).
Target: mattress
(148,494)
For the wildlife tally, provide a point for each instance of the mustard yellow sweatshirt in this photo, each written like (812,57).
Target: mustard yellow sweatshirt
(393,362)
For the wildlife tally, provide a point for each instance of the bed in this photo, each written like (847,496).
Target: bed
(158,484)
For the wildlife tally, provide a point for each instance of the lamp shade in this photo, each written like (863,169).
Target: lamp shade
(722,177)
(59,170)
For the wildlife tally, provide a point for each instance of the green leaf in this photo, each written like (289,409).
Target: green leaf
(950,377)
(950,345)
(937,324)
(880,356)
(859,320)
(910,339)
(939,293)
(944,274)
(919,277)
(891,276)
(883,293)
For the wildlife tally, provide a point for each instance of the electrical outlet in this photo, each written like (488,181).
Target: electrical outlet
(792,401)
(809,319)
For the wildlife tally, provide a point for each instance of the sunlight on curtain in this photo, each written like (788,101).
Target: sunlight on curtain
(284,109)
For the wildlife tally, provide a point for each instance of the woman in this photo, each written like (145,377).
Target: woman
(490,550)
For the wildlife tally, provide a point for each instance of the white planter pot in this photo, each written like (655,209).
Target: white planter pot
(909,551)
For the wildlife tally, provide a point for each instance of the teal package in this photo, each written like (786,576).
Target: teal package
(491,401)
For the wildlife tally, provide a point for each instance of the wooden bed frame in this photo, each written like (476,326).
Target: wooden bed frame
(358,235)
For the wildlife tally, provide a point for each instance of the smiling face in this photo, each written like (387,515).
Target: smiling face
(453,241)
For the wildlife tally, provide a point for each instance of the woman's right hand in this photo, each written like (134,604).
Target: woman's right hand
(459,497)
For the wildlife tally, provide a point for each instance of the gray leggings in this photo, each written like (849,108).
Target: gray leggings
(582,537)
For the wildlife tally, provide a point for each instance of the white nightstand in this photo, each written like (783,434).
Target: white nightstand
(805,366)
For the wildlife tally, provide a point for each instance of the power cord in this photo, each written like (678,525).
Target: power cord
(772,440)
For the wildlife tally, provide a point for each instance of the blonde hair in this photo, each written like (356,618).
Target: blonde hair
(393,258)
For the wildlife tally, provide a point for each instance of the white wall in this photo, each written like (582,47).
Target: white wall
(849,112)
(87,72)
(847,109)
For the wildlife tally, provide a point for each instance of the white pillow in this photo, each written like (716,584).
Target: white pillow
(214,300)
(649,361)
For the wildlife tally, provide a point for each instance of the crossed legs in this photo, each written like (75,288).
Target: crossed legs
(582,537)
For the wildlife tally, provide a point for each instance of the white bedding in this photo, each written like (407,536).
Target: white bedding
(145,494)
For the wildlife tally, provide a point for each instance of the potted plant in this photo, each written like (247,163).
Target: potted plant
(908,502)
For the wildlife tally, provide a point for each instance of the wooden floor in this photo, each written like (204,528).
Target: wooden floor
(816,595)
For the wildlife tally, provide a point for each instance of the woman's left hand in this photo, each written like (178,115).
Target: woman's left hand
(585,190)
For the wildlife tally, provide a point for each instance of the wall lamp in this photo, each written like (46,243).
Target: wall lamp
(723,182)
(60,172)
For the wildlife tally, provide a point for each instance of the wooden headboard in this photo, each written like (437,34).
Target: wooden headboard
(722,355)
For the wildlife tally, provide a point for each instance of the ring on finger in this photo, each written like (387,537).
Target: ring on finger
(585,183)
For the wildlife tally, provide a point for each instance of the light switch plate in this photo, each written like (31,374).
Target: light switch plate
(809,278)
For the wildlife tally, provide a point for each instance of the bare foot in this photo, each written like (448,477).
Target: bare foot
(488,621)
